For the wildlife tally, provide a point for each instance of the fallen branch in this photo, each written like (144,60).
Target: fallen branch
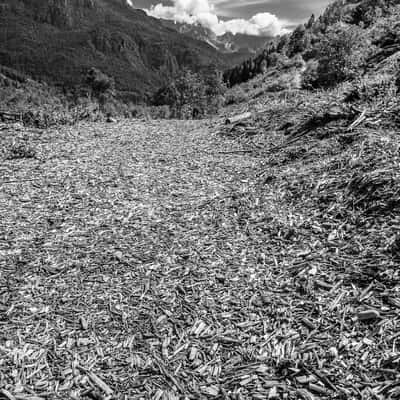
(358,121)
(238,118)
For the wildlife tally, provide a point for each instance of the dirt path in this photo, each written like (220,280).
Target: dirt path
(141,260)
(124,252)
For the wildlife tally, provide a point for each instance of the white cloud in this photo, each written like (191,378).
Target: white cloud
(129,3)
(201,12)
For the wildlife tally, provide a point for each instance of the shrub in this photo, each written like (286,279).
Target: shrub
(161,112)
(235,96)
(102,86)
(297,61)
(191,95)
(310,74)
(277,60)
(339,55)
(215,90)
(372,88)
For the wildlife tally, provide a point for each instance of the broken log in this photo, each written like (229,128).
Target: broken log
(6,116)
(238,118)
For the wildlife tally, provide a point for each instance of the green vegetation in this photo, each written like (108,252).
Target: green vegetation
(188,96)
(340,57)
(101,85)
(341,45)
(192,95)
(43,105)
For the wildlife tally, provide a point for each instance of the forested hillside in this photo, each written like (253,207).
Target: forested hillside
(341,44)
(59,41)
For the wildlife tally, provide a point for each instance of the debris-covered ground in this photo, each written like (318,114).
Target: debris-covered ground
(173,260)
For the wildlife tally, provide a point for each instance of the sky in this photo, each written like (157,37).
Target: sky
(256,17)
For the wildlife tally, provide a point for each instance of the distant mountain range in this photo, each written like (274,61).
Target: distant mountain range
(57,41)
(237,47)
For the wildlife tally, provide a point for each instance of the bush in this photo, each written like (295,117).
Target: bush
(191,95)
(310,74)
(102,86)
(277,60)
(372,88)
(161,112)
(297,61)
(339,55)
(235,96)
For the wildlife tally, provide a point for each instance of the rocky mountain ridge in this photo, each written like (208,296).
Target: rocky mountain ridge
(58,40)
(239,45)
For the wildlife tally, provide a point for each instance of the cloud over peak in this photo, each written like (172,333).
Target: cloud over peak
(203,13)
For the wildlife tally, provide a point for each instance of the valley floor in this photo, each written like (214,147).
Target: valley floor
(157,260)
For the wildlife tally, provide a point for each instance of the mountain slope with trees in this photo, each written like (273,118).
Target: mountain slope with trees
(58,41)
(337,46)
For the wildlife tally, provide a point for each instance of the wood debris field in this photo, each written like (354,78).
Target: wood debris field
(187,260)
